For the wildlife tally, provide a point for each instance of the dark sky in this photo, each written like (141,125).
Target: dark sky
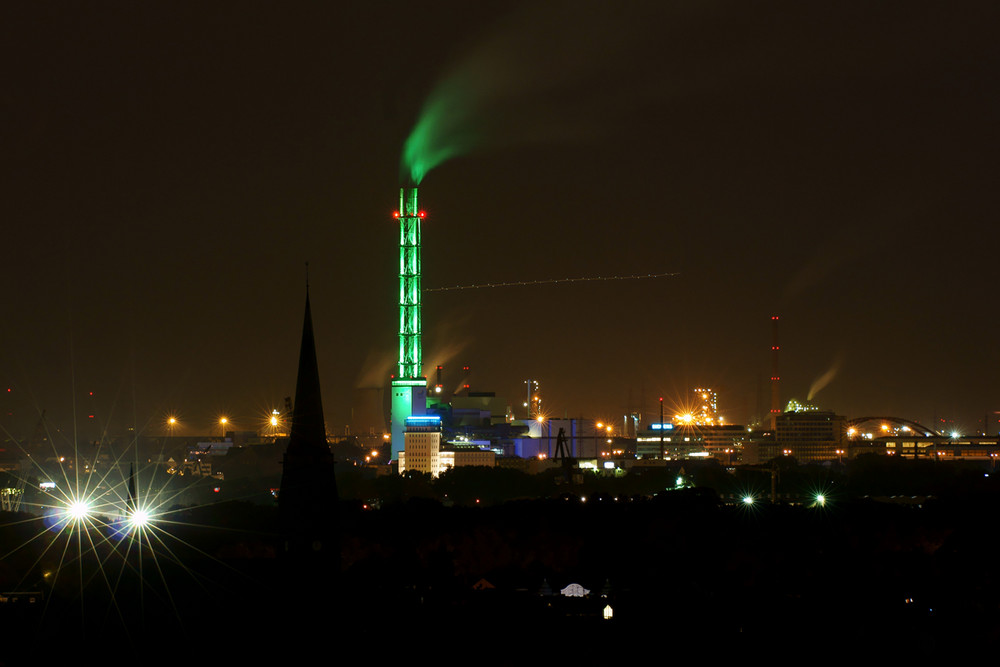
(169,167)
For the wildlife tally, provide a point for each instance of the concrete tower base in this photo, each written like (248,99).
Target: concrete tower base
(409,397)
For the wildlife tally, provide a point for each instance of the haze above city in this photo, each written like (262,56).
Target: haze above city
(171,167)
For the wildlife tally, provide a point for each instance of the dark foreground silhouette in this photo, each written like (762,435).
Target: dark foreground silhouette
(713,578)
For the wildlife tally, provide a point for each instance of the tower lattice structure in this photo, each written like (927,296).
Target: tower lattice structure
(409,387)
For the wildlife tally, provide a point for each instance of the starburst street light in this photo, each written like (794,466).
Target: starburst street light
(139,518)
(273,422)
(78,510)
(73,513)
(100,534)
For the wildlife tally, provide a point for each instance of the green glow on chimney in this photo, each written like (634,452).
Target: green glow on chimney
(409,388)
(410,358)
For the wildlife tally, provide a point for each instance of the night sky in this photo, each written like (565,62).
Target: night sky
(170,167)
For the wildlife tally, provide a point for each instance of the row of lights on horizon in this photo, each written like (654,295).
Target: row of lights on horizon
(271,421)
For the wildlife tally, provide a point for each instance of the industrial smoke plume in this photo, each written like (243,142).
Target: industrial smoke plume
(527,83)
(826,378)
(536,78)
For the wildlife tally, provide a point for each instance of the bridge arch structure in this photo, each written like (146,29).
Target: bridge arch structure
(899,423)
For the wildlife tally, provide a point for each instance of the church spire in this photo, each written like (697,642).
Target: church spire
(307,501)
(131,504)
(308,431)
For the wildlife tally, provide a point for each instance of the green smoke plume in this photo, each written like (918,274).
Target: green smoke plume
(442,132)
(530,81)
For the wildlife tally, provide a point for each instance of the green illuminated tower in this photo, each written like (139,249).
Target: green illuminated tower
(409,387)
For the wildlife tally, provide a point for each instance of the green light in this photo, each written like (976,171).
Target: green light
(409,385)
(451,120)
(418,382)
(432,140)
(410,361)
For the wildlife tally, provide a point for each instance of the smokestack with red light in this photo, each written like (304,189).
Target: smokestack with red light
(775,376)
(409,387)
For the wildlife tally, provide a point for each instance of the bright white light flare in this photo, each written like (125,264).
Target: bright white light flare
(78,510)
(139,518)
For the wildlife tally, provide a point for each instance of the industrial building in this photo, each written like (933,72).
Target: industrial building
(810,435)
(425,451)
(725,442)
(935,447)
(803,432)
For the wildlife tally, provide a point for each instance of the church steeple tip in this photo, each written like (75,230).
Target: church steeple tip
(308,428)
(307,501)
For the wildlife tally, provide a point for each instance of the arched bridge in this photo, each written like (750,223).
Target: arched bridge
(899,422)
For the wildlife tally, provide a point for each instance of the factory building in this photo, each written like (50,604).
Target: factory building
(479,409)
(425,451)
(724,442)
(810,435)
(935,447)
